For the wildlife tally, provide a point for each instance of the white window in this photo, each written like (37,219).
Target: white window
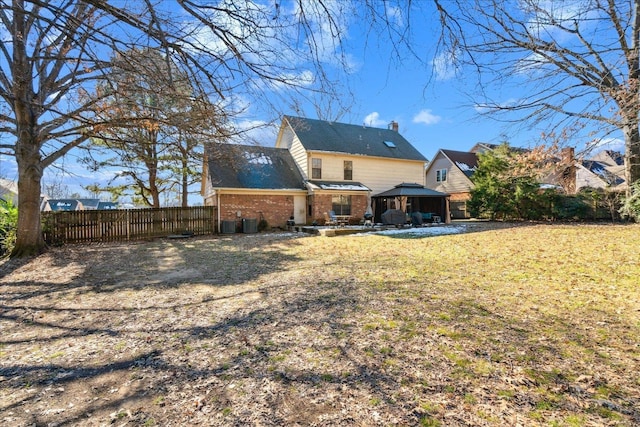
(316,168)
(348,170)
(441,175)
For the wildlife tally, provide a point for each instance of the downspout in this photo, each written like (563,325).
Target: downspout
(219,215)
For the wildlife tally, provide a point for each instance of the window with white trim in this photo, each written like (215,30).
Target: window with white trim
(441,175)
(341,204)
(348,170)
(316,168)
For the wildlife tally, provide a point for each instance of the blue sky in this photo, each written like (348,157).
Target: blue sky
(430,103)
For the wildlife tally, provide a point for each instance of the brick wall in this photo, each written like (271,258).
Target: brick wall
(322,203)
(458,205)
(460,197)
(276,210)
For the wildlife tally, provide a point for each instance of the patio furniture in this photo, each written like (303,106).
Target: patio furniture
(329,220)
(368,220)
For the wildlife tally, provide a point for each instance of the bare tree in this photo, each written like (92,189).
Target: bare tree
(146,109)
(53,54)
(576,61)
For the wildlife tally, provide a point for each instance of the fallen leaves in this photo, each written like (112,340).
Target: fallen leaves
(529,325)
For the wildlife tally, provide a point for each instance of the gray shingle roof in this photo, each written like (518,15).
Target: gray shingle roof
(616,156)
(465,161)
(600,169)
(250,166)
(320,135)
(63,204)
(410,190)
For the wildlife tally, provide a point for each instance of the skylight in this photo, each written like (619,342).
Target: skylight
(389,144)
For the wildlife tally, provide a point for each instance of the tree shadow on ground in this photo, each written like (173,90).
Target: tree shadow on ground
(267,346)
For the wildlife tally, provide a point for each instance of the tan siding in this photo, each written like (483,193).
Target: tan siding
(585,178)
(383,174)
(376,173)
(287,139)
(457,182)
(299,155)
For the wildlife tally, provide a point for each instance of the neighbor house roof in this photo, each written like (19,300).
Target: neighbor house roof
(320,135)
(89,204)
(465,161)
(600,169)
(250,166)
(610,158)
(410,190)
(107,205)
(64,204)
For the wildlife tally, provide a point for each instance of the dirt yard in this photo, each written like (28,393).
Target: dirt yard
(486,328)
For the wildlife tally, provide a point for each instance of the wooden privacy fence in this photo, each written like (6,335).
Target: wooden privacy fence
(126,224)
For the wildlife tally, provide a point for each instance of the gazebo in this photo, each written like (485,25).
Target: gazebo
(411,197)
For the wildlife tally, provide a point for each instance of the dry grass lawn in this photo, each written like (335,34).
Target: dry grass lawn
(527,324)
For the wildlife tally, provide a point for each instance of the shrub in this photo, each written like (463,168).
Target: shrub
(263,224)
(631,205)
(570,207)
(8,225)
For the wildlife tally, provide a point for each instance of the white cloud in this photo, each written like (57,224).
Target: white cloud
(394,15)
(373,120)
(547,16)
(615,144)
(305,78)
(444,66)
(255,132)
(426,117)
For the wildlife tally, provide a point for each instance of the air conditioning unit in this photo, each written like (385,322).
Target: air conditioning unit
(228,227)
(249,225)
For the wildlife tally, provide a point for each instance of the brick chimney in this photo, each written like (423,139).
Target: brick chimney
(393,126)
(568,154)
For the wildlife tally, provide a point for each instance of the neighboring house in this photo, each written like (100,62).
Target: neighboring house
(77,205)
(605,170)
(253,182)
(610,158)
(450,172)
(594,174)
(344,164)
(89,204)
(57,205)
(614,164)
(107,206)
(9,191)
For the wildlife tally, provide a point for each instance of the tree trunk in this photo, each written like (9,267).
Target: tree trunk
(632,152)
(29,240)
(185,182)
(29,234)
